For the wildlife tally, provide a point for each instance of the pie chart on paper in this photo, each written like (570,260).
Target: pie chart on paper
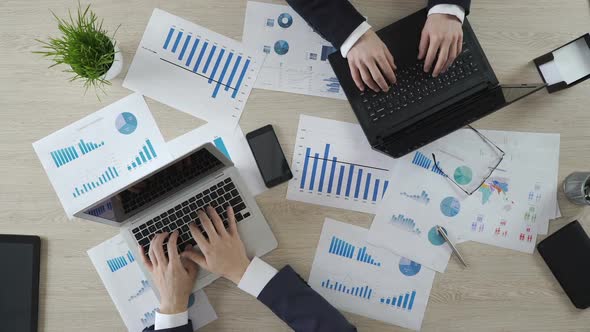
(126,123)
(463,175)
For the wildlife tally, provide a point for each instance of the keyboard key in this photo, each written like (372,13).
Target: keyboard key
(200,203)
(220,192)
(214,195)
(152,228)
(235,193)
(136,230)
(144,242)
(193,215)
(157,218)
(138,236)
(159,225)
(228,180)
(235,201)
(186,210)
(178,207)
(192,199)
(179,214)
(142,226)
(171,211)
(206,192)
(145,232)
(227,196)
(229,186)
(246,215)
(239,207)
(239,216)
(193,207)
(199,196)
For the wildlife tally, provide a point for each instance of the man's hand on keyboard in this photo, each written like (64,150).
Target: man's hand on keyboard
(223,253)
(174,276)
(442,35)
(369,61)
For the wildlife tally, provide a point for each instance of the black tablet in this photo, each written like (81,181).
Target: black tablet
(19,282)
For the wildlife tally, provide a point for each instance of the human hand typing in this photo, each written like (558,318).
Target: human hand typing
(369,60)
(173,276)
(442,35)
(224,252)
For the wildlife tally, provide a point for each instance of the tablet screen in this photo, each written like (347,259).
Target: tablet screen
(18,312)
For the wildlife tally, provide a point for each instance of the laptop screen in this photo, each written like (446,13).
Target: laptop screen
(157,187)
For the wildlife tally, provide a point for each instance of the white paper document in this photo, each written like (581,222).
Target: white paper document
(296,56)
(369,281)
(573,61)
(130,291)
(334,165)
(508,210)
(193,69)
(232,143)
(102,153)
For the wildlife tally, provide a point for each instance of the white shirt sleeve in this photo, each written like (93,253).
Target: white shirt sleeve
(353,38)
(164,321)
(454,10)
(257,276)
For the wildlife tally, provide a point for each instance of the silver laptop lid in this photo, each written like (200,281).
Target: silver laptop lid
(164,182)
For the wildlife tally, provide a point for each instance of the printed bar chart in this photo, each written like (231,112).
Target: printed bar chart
(64,156)
(362,292)
(342,248)
(87,147)
(120,262)
(422,161)
(421,198)
(148,318)
(405,223)
(145,285)
(403,301)
(342,184)
(146,154)
(220,145)
(109,175)
(98,211)
(218,65)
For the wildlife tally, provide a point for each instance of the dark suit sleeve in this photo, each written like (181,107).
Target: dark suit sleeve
(184,328)
(334,20)
(298,305)
(466,4)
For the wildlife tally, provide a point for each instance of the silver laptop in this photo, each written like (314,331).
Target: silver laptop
(168,199)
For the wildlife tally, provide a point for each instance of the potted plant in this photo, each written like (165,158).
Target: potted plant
(85,47)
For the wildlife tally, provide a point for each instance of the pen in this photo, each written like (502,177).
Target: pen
(443,233)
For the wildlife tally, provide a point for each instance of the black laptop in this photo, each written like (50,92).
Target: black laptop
(419,108)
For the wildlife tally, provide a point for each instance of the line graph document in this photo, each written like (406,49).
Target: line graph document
(296,56)
(357,277)
(334,165)
(193,69)
(130,291)
(102,153)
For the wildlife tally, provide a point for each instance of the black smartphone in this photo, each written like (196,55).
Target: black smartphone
(269,156)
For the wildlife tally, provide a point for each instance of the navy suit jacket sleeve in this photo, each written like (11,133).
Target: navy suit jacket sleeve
(298,305)
(184,328)
(335,20)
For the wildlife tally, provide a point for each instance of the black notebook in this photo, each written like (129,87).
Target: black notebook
(567,253)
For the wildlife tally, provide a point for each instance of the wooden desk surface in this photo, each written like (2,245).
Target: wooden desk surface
(502,290)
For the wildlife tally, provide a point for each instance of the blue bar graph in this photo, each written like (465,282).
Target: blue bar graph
(145,154)
(68,154)
(405,223)
(321,174)
(109,174)
(363,292)
(403,301)
(221,67)
(87,147)
(344,249)
(422,161)
(220,145)
(120,262)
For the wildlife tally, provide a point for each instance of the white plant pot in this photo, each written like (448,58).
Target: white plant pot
(117,65)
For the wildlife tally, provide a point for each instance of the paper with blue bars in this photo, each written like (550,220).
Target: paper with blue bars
(334,165)
(102,153)
(193,69)
(357,277)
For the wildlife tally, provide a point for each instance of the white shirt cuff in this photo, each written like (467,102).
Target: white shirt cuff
(164,321)
(454,10)
(257,276)
(353,38)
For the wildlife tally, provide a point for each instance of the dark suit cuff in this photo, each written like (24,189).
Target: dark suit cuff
(184,328)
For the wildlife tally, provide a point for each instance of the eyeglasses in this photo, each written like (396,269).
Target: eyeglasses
(497,155)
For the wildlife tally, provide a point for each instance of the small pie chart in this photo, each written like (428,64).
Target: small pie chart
(450,206)
(281,47)
(408,267)
(126,123)
(435,238)
(285,20)
(463,175)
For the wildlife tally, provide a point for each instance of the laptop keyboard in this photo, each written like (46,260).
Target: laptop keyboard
(414,86)
(219,196)
(170,179)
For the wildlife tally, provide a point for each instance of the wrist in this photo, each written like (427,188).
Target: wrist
(236,275)
(171,307)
